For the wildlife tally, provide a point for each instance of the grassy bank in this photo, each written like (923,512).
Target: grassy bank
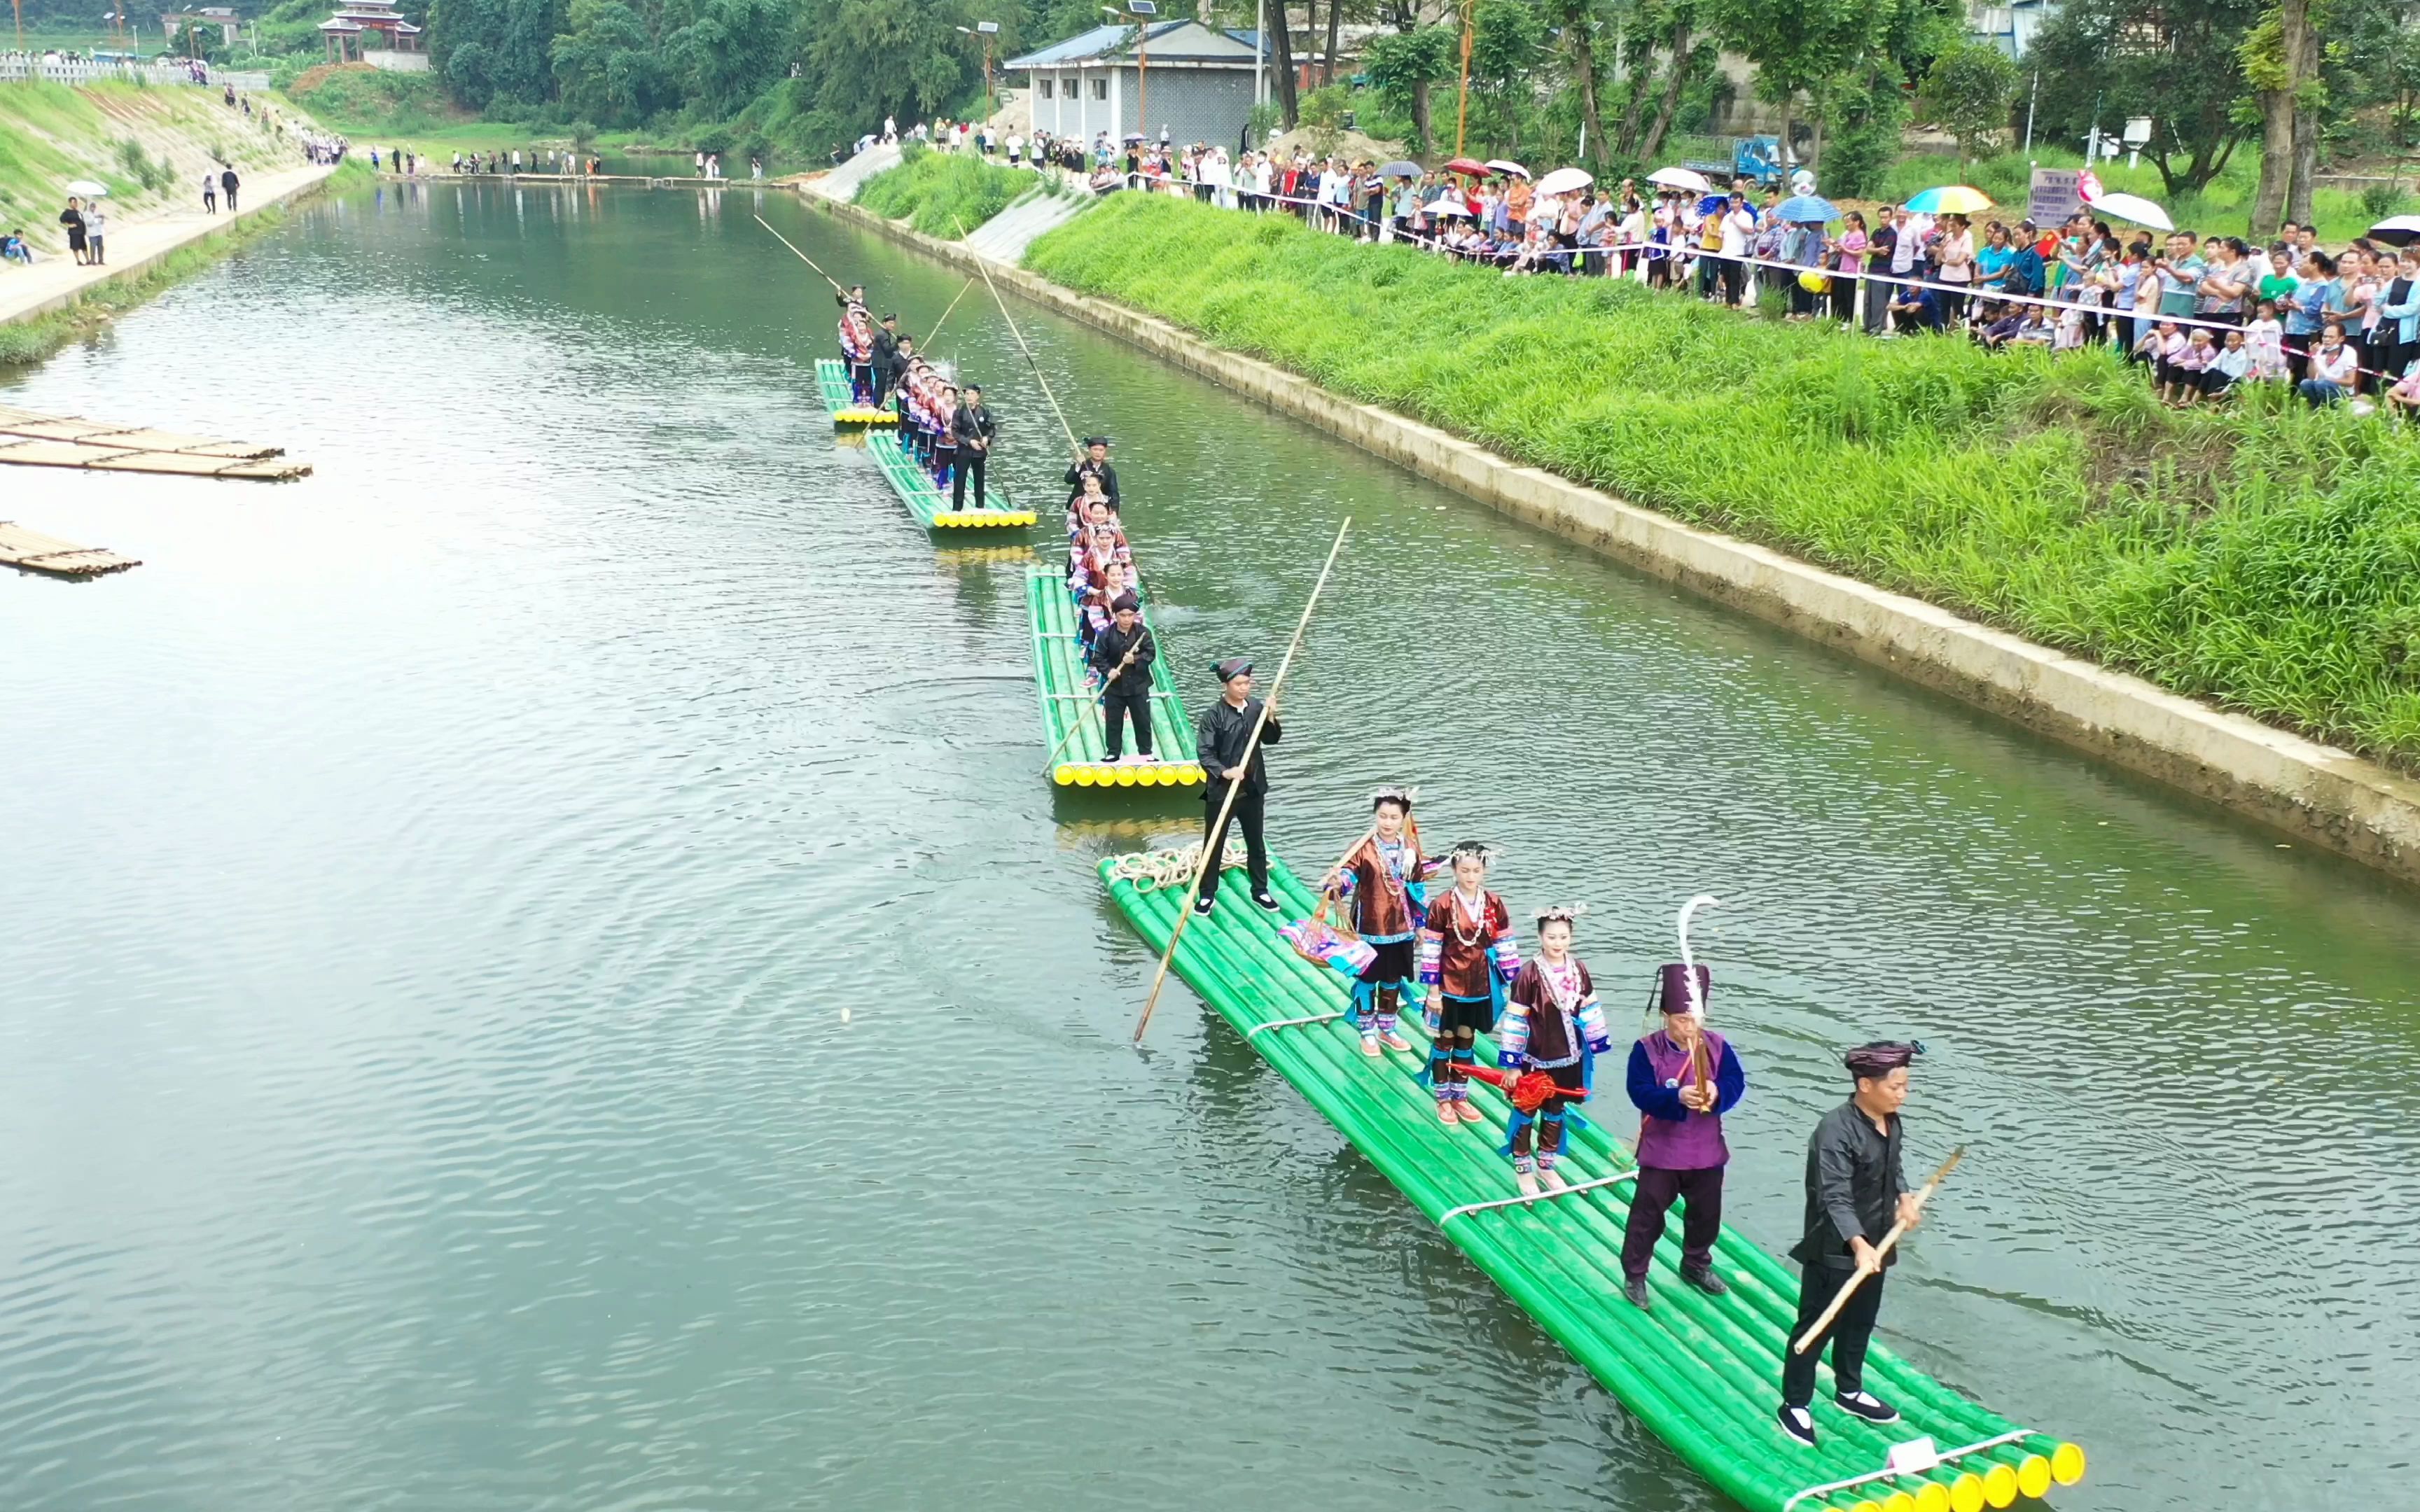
(944,192)
(2266,557)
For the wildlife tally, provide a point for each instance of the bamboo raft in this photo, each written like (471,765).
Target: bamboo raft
(1703,1372)
(33,439)
(840,400)
(1071,712)
(930,506)
(35,552)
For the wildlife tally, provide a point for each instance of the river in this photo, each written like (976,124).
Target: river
(542,972)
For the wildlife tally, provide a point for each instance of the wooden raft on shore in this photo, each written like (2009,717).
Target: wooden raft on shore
(33,439)
(37,552)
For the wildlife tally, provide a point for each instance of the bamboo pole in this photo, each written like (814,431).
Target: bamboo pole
(1211,843)
(1823,1319)
(934,334)
(984,268)
(802,256)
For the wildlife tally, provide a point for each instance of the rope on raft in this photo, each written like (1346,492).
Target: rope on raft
(1150,871)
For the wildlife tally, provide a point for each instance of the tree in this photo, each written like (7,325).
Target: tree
(1507,38)
(1577,20)
(606,64)
(1401,68)
(1968,93)
(2280,58)
(1796,45)
(1281,63)
(2174,61)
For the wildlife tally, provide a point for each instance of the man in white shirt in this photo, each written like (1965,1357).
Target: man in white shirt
(1739,225)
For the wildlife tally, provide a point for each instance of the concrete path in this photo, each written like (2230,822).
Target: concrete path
(135,246)
(841,183)
(1005,236)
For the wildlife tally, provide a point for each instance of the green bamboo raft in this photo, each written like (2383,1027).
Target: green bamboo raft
(1703,1372)
(930,506)
(840,400)
(1068,705)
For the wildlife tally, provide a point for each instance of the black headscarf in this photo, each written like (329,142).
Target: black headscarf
(1881,1057)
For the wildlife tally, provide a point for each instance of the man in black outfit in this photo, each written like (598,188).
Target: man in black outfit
(1125,691)
(1220,735)
(1856,1190)
(1094,463)
(228,184)
(886,352)
(972,427)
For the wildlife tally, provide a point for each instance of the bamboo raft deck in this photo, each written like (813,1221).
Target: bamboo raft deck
(1703,1372)
(1068,704)
(33,439)
(840,400)
(35,552)
(930,506)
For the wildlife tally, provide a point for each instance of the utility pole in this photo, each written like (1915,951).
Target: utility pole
(1260,55)
(1462,97)
(2031,100)
(1144,11)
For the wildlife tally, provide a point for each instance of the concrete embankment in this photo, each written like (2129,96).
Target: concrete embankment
(2311,790)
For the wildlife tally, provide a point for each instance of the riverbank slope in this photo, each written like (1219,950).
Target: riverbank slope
(2262,557)
(151,148)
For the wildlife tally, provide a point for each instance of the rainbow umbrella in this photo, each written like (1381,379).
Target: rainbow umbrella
(1950,199)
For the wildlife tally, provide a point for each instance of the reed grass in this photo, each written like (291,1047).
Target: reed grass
(2264,556)
(938,192)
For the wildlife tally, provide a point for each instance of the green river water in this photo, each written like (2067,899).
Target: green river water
(541,971)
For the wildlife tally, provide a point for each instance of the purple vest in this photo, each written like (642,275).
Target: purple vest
(1696,1143)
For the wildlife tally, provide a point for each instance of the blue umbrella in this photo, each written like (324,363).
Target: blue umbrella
(1806,209)
(1712,203)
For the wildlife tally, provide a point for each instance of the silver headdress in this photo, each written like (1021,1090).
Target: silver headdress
(1561,914)
(1395,793)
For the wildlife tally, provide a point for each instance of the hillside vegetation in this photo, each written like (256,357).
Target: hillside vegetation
(149,145)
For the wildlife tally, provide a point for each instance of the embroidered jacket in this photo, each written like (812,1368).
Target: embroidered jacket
(1382,883)
(1457,953)
(1550,1016)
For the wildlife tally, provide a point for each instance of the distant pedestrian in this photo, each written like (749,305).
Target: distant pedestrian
(95,224)
(72,218)
(209,193)
(229,183)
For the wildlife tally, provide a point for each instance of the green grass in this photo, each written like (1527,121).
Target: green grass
(2266,557)
(946,194)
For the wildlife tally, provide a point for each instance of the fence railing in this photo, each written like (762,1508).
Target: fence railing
(20,67)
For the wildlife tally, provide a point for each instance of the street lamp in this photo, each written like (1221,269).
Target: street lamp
(1142,11)
(987,30)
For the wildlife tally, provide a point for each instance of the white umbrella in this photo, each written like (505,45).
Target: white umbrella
(87,188)
(1682,179)
(1450,206)
(1564,181)
(2137,209)
(1503,165)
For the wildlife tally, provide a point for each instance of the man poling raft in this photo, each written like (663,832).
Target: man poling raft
(1856,1196)
(1233,759)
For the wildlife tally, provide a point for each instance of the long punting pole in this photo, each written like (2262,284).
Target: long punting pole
(1218,829)
(936,331)
(984,268)
(1823,1319)
(1079,722)
(802,256)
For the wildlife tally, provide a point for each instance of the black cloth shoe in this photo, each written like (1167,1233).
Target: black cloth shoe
(1635,1287)
(1202,905)
(1867,1405)
(1706,1281)
(1266,902)
(1796,1422)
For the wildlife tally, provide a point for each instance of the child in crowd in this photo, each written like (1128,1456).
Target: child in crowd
(13,248)
(1466,955)
(2181,361)
(2266,340)
(1379,882)
(2228,366)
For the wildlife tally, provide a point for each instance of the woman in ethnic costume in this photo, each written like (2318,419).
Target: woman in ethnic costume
(1552,1023)
(1466,955)
(1380,880)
